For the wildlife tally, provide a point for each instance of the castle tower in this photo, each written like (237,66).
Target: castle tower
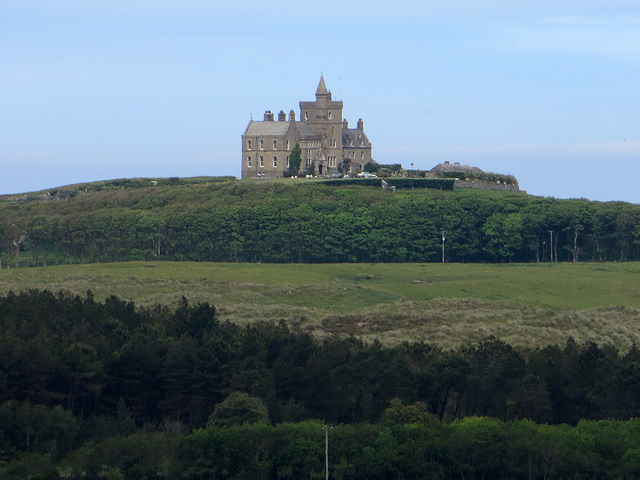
(324,116)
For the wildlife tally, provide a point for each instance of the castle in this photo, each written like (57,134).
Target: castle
(327,144)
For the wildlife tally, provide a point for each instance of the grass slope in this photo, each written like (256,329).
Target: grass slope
(523,304)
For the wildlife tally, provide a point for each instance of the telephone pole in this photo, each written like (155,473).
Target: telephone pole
(326,429)
(443,240)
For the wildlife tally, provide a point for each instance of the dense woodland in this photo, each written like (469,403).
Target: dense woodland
(92,389)
(307,221)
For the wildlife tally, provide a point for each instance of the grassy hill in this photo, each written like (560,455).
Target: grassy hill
(306,221)
(451,304)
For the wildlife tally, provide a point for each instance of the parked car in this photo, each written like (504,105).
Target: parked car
(337,175)
(367,175)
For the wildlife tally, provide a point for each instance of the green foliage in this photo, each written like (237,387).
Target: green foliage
(237,409)
(295,160)
(292,221)
(381,169)
(481,177)
(434,183)
(400,414)
(110,390)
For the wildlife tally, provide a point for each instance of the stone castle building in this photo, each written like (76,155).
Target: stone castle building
(327,144)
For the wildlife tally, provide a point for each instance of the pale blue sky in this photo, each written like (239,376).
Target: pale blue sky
(545,90)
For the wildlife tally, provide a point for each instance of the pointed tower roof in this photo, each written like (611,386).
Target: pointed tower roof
(322,88)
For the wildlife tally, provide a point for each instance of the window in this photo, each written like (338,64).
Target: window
(362,155)
(329,115)
(249,161)
(275,144)
(248,144)
(333,128)
(261,161)
(286,145)
(261,144)
(306,116)
(275,161)
(288,161)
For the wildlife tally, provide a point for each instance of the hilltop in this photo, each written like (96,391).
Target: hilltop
(307,221)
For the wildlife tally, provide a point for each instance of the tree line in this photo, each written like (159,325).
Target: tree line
(313,223)
(81,379)
(469,448)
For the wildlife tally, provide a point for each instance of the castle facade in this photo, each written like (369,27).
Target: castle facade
(327,144)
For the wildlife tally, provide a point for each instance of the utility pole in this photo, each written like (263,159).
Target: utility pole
(326,429)
(443,240)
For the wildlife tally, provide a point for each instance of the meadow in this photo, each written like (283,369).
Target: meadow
(450,305)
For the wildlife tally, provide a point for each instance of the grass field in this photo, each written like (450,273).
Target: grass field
(523,304)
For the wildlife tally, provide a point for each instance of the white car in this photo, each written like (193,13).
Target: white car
(367,175)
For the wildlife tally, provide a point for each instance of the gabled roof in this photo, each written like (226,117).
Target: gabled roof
(278,129)
(354,137)
(305,131)
(266,129)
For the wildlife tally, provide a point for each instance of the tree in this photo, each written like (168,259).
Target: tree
(400,414)
(504,234)
(237,409)
(294,161)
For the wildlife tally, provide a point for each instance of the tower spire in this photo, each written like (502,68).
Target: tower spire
(322,87)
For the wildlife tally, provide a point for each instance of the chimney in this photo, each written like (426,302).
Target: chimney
(345,124)
(360,124)
(268,116)
(292,116)
(282,117)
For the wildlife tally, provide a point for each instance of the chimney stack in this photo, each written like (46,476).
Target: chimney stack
(268,116)
(282,117)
